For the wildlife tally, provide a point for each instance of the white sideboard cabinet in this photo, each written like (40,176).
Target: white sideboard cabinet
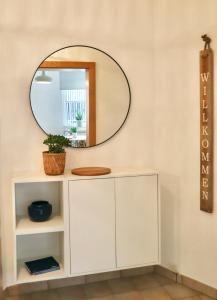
(136,221)
(98,224)
(92,225)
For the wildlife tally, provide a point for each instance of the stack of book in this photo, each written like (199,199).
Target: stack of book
(43,265)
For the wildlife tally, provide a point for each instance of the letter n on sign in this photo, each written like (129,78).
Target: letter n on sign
(206,127)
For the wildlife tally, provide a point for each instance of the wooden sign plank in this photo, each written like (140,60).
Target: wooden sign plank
(206,130)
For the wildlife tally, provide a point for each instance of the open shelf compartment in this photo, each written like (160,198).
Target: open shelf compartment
(25,194)
(36,246)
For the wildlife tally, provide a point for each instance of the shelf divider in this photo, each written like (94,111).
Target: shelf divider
(26,226)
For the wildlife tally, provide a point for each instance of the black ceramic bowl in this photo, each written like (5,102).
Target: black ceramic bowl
(40,211)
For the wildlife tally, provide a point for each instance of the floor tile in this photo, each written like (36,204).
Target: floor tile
(121,285)
(144,282)
(71,293)
(177,291)
(165,272)
(46,295)
(99,289)
(203,297)
(161,279)
(27,288)
(102,276)
(110,297)
(199,297)
(157,293)
(59,283)
(103,298)
(132,295)
(124,289)
(143,287)
(137,271)
(199,286)
(18,297)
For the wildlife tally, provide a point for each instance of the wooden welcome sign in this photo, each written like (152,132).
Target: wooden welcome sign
(206,127)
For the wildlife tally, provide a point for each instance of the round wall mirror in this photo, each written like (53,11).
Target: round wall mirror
(82,93)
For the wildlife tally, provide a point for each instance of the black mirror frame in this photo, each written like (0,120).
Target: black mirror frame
(128,85)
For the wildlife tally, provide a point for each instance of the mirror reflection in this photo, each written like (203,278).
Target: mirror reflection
(82,93)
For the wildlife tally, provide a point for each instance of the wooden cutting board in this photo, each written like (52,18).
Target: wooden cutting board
(91,171)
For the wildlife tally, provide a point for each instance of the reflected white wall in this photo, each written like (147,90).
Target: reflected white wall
(47,104)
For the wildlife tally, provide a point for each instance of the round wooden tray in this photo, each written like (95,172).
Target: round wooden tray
(91,171)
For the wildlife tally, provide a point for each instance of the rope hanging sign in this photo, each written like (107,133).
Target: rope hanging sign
(206,126)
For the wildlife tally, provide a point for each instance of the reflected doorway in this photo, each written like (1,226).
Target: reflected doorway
(71,89)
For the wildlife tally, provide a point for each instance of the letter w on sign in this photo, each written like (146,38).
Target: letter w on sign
(206,129)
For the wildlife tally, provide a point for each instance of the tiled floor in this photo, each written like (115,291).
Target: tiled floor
(144,287)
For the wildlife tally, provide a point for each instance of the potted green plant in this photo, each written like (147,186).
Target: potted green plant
(79,117)
(54,158)
(73,130)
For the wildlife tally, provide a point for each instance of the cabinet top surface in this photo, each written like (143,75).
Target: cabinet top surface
(115,172)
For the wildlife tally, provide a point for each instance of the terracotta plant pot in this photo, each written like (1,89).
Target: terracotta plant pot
(54,163)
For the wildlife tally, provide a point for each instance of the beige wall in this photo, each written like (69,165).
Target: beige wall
(29,31)
(189,235)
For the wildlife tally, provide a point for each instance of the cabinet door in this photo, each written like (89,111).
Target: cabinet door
(137,221)
(92,225)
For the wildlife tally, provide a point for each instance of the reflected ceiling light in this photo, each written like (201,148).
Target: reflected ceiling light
(43,78)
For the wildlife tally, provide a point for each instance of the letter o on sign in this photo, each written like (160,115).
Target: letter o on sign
(205,143)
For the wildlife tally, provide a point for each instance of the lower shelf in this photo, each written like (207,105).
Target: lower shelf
(36,246)
(23,275)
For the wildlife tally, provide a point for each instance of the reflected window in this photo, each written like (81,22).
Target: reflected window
(74,96)
(74,107)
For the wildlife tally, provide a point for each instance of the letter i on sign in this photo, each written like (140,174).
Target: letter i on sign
(206,126)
